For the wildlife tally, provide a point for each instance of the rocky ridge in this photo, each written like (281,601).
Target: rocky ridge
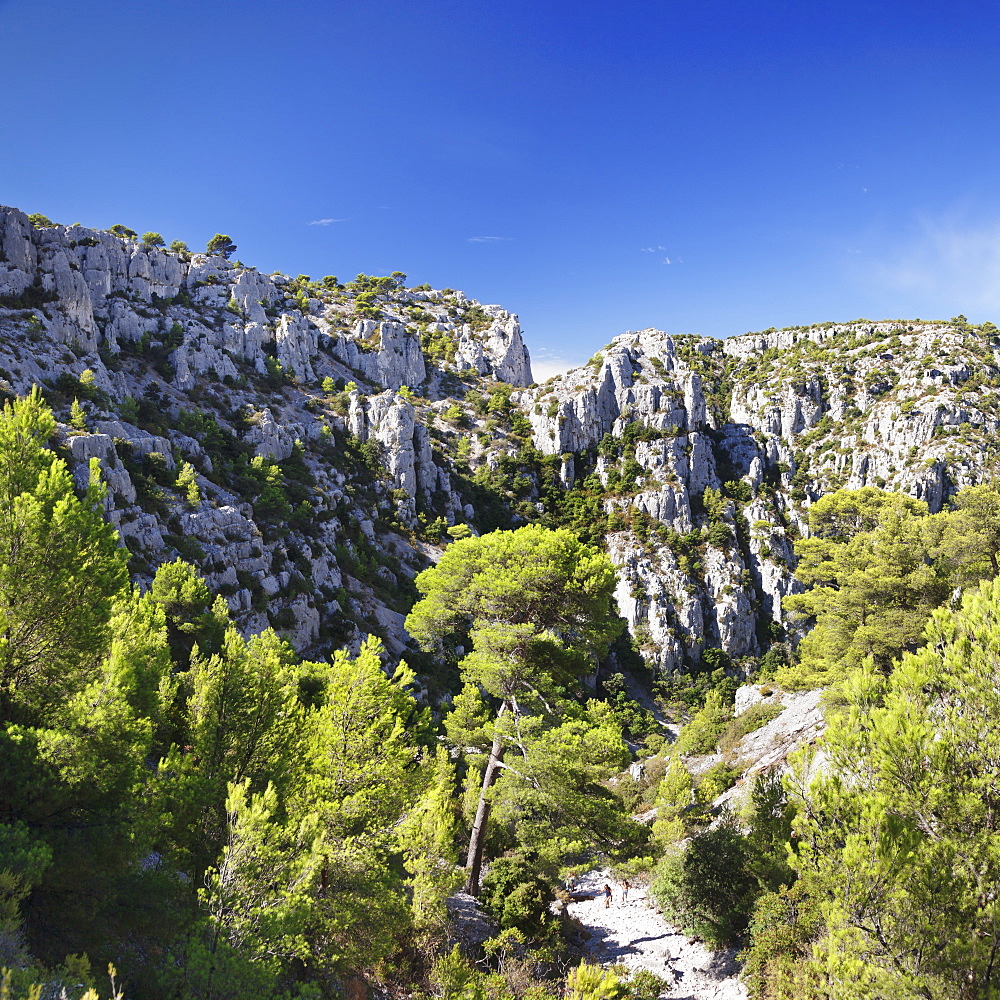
(338,431)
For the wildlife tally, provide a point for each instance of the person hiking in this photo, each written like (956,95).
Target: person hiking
(625,889)
(607,895)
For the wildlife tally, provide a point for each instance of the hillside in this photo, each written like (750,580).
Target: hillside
(337,430)
(221,813)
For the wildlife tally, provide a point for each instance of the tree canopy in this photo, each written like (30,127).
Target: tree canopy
(526,614)
(60,565)
(875,565)
(221,245)
(909,807)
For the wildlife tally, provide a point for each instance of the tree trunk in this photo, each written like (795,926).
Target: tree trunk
(474,858)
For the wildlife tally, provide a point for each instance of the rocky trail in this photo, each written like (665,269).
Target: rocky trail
(634,934)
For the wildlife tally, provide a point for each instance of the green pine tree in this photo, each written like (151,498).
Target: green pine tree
(187,483)
(897,836)
(60,566)
(77,416)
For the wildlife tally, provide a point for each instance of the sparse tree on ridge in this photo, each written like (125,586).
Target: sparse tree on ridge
(221,245)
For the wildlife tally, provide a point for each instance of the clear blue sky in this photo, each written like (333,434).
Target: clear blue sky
(698,166)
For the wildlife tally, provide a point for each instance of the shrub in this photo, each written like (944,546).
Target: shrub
(454,415)
(591,982)
(187,484)
(77,416)
(719,535)
(707,887)
(646,985)
(715,781)
(702,733)
(784,927)
(516,895)
(366,307)
(454,976)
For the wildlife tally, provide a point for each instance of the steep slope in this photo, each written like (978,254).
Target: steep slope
(708,454)
(289,398)
(336,432)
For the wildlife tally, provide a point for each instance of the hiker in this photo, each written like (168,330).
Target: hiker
(607,895)
(625,889)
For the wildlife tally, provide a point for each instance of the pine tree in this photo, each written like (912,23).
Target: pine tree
(187,483)
(77,416)
(60,566)
(872,583)
(221,245)
(428,837)
(897,837)
(535,606)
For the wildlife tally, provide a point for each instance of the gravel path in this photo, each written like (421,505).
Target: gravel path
(634,934)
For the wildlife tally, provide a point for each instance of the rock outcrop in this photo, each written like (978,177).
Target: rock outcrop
(338,431)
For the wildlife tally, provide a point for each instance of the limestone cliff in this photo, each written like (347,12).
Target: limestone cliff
(338,430)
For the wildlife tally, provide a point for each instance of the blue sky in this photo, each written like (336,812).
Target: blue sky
(702,167)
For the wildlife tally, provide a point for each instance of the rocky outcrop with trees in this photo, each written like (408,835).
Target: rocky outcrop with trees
(337,432)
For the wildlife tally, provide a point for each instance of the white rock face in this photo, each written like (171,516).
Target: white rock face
(650,380)
(711,451)
(500,353)
(94,289)
(390,418)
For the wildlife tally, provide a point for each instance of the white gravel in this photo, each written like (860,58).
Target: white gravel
(635,934)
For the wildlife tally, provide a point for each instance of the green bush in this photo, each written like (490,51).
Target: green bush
(719,535)
(591,982)
(516,896)
(715,781)
(645,985)
(707,887)
(702,733)
(784,926)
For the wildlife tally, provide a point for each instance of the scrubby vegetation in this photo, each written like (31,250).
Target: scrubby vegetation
(221,818)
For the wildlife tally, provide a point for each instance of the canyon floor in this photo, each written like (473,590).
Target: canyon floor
(634,934)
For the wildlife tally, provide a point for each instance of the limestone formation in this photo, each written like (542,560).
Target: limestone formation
(335,441)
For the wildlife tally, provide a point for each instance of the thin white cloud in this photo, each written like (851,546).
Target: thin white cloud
(546,363)
(325,222)
(489,239)
(659,250)
(948,262)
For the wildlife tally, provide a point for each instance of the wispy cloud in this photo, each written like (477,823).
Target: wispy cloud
(948,262)
(489,239)
(325,222)
(546,363)
(657,249)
